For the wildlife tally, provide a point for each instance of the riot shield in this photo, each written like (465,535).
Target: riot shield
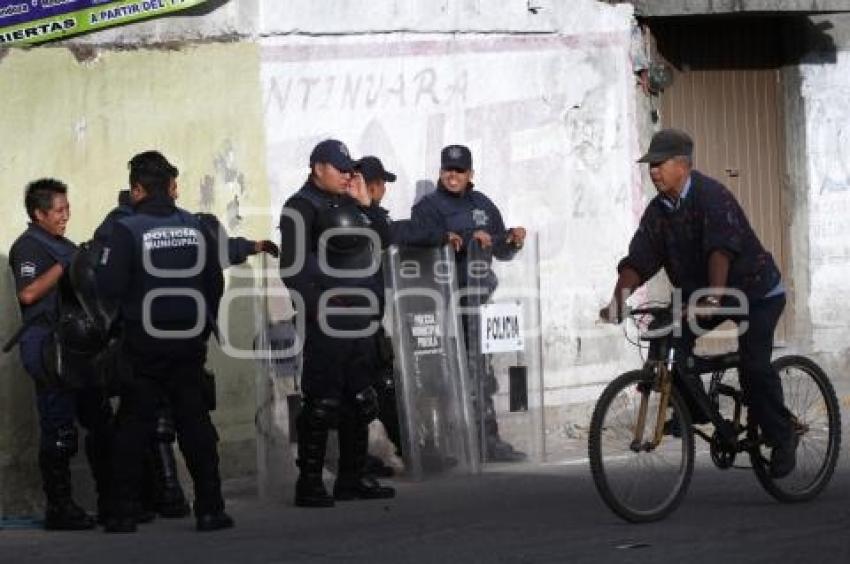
(278,357)
(500,308)
(433,396)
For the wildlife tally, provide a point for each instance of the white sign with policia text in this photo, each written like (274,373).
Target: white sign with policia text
(501,328)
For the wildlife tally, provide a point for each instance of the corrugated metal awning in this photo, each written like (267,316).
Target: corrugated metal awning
(665,8)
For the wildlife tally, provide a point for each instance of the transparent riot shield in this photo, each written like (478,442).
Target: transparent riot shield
(433,396)
(500,307)
(277,350)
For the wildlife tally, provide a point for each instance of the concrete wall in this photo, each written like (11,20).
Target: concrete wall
(545,98)
(704,7)
(825,87)
(551,122)
(80,121)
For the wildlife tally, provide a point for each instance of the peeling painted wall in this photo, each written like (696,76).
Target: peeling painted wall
(81,122)
(545,98)
(826,94)
(550,119)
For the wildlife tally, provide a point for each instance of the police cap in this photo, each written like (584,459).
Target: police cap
(456,157)
(373,169)
(333,152)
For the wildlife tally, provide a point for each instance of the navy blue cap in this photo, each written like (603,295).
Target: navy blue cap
(333,152)
(456,156)
(373,169)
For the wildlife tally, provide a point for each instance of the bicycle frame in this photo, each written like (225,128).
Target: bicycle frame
(662,364)
(663,382)
(642,480)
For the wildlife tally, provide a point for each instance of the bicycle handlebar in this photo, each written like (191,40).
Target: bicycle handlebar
(653,311)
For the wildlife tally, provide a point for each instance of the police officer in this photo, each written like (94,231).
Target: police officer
(57,357)
(403,232)
(456,206)
(166,276)
(329,271)
(162,493)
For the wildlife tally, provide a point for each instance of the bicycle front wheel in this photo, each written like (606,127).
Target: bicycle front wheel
(810,397)
(640,484)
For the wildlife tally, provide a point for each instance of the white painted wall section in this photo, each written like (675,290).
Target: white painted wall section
(255,18)
(550,120)
(826,92)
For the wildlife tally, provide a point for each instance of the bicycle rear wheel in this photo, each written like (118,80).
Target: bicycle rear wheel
(639,485)
(810,398)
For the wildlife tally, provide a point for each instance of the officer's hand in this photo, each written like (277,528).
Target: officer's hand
(266,246)
(516,237)
(357,189)
(455,240)
(483,239)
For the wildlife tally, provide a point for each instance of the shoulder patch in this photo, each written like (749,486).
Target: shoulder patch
(480,218)
(28,269)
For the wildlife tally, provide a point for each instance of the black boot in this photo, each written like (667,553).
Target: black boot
(207,522)
(376,467)
(119,523)
(352,481)
(212,517)
(170,501)
(67,516)
(312,441)
(97,453)
(61,513)
(497,449)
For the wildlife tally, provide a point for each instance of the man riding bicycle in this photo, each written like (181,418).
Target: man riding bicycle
(696,230)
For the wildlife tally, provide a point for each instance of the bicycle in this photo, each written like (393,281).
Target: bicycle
(641,439)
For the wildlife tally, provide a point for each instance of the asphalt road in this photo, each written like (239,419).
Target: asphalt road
(524,513)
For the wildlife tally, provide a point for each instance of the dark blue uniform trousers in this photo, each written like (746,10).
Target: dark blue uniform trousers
(176,374)
(58,410)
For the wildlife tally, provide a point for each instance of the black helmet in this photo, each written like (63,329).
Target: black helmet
(81,275)
(348,223)
(80,334)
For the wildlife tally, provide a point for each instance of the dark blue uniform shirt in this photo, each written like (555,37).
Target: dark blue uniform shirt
(173,240)
(464,213)
(31,255)
(310,281)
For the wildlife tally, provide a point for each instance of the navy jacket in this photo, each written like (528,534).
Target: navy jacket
(680,241)
(309,281)
(238,248)
(410,232)
(31,255)
(464,214)
(169,236)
